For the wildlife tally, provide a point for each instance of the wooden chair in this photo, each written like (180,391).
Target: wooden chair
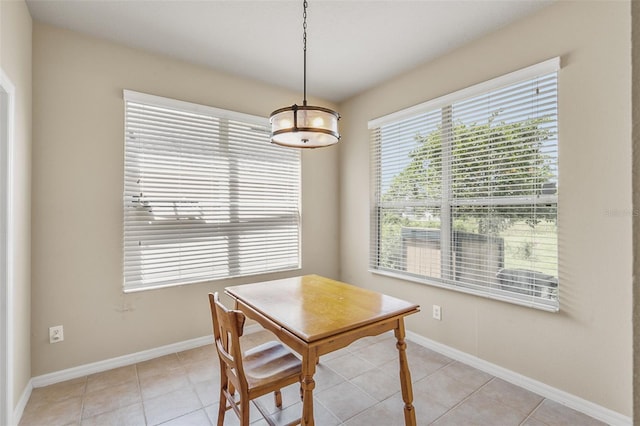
(261,370)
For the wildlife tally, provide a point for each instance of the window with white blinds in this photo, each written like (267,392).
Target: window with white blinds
(465,190)
(206,196)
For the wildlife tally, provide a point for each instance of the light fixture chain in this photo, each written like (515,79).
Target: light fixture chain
(304,49)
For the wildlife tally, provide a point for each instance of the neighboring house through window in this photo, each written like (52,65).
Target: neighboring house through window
(206,196)
(465,190)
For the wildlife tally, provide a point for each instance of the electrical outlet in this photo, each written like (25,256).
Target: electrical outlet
(437,312)
(56,334)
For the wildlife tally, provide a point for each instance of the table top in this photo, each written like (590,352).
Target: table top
(313,307)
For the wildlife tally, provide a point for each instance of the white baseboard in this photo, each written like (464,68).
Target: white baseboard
(22,403)
(121,361)
(572,401)
(589,408)
(108,364)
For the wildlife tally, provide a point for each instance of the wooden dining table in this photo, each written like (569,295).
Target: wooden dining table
(314,316)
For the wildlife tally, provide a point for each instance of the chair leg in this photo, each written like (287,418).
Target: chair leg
(278,398)
(222,407)
(244,412)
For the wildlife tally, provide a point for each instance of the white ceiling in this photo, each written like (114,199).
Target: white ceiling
(352,44)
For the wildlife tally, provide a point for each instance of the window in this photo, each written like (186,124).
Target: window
(465,190)
(206,196)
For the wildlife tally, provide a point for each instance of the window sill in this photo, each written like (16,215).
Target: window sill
(495,294)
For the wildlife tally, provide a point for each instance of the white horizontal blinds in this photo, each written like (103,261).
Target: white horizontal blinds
(408,192)
(504,192)
(206,196)
(466,193)
(265,191)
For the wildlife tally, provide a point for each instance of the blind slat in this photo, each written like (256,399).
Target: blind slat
(206,196)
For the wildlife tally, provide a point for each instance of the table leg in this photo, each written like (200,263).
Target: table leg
(309,361)
(405,376)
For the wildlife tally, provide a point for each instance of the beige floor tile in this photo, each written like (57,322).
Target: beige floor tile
(202,371)
(230,419)
(132,415)
(106,379)
(345,400)
(377,383)
(349,366)
(207,352)
(62,412)
(287,414)
(110,399)
(391,410)
(556,414)
(511,395)
(418,369)
(252,340)
(208,391)
(361,343)
(321,415)
(171,405)
(162,383)
(531,421)
(291,408)
(58,392)
(485,410)
(197,418)
(444,389)
(290,396)
(392,369)
(325,377)
(458,418)
(379,414)
(387,336)
(415,349)
(335,354)
(379,353)
(426,408)
(464,373)
(158,365)
(422,362)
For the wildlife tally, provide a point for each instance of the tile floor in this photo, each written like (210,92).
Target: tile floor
(358,385)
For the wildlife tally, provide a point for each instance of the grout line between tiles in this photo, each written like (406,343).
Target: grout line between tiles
(84,392)
(181,415)
(530,416)
(462,401)
(144,412)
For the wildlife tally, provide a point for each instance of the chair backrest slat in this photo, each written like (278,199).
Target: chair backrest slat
(228,326)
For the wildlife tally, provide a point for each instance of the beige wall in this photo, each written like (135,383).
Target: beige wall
(77,198)
(15,60)
(585,349)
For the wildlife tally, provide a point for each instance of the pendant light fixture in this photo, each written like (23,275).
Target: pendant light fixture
(304,126)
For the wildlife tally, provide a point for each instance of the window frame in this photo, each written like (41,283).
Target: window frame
(446,203)
(235,227)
